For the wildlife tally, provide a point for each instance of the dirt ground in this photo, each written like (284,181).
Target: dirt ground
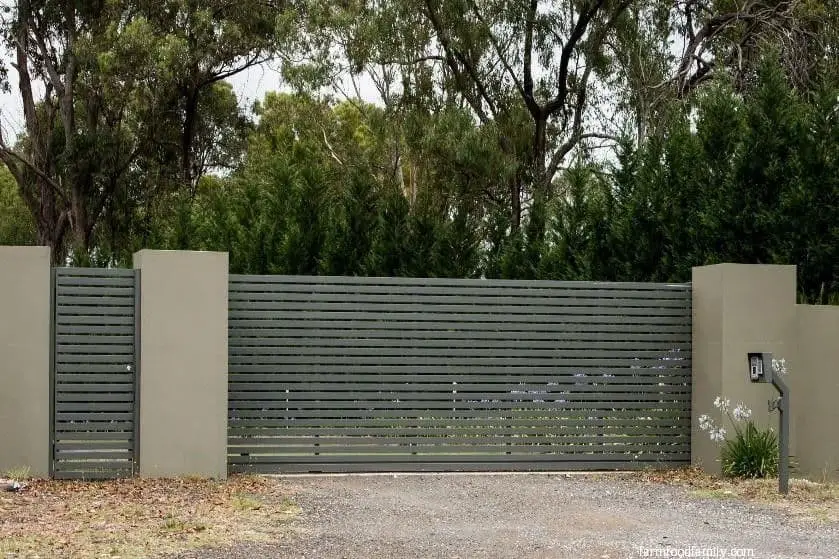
(515,516)
(139,517)
(670,514)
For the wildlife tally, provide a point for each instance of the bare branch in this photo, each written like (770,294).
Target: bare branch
(22,67)
(771,19)
(414,61)
(329,147)
(567,50)
(576,128)
(498,51)
(49,63)
(7,153)
(254,60)
(527,91)
(453,57)
(68,108)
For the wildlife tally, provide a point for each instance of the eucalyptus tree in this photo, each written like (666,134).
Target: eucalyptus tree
(551,81)
(115,96)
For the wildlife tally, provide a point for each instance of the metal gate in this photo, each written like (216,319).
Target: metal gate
(95,371)
(370,374)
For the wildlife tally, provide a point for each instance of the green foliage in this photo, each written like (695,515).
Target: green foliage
(315,196)
(752,453)
(421,186)
(127,110)
(336,188)
(749,178)
(16,226)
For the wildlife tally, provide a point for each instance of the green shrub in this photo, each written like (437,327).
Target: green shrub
(752,453)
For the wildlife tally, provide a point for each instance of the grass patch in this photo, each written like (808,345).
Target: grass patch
(246,502)
(22,473)
(174,524)
(712,493)
(807,500)
(136,518)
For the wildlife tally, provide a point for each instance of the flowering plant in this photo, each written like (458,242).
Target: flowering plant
(752,452)
(736,415)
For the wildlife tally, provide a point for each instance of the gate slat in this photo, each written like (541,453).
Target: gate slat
(374,321)
(618,458)
(242,344)
(312,282)
(241,335)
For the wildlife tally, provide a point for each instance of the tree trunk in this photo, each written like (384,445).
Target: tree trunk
(642,116)
(47,237)
(187,140)
(538,172)
(80,227)
(515,199)
(50,225)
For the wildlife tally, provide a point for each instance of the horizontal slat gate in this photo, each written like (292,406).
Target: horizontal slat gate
(364,374)
(94,373)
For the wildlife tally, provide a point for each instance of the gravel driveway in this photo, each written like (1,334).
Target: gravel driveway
(519,516)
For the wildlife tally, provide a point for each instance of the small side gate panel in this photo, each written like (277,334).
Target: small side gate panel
(370,374)
(95,368)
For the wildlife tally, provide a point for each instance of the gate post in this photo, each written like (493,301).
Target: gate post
(25,350)
(183,356)
(737,309)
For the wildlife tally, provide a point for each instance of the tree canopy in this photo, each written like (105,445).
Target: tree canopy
(578,139)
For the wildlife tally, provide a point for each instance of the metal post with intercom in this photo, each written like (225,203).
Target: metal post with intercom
(760,370)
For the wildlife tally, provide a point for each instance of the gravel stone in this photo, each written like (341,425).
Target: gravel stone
(517,516)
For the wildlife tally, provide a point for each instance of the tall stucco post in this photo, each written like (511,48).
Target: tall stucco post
(737,309)
(814,388)
(183,363)
(25,348)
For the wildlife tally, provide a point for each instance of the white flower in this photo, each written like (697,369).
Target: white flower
(717,435)
(705,423)
(779,366)
(741,412)
(722,404)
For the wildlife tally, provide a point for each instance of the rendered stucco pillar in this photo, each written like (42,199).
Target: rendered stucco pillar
(25,348)
(183,363)
(737,309)
(814,389)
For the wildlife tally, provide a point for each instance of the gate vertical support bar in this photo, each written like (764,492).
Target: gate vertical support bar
(53,350)
(137,307)
(783,466)
(783,441)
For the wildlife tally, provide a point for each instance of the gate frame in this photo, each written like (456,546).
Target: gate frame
(135,468)
(135,460)
(53,350)
(283,463)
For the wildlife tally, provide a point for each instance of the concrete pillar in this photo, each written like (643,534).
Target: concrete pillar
(814,390)
(183,363)
(25,349)
(738,309)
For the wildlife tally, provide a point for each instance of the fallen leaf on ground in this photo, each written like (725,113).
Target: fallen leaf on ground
(136,517)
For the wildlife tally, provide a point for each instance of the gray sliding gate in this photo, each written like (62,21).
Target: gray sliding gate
(366,374)
(94,367)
